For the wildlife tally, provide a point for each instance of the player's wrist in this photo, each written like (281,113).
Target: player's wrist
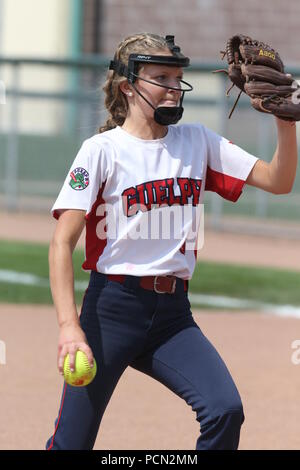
(285,124)
(70,322)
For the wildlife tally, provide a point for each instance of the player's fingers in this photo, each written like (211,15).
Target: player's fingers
(72,355)
(88,352)
(67,348)
(61,358)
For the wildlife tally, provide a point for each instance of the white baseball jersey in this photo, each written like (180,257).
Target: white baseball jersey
(142,197)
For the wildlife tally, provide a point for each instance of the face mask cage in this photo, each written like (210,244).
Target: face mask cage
(131,72)
(177,59)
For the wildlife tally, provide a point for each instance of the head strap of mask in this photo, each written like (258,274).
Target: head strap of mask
(163,115)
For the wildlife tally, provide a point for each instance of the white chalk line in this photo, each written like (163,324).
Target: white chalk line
(27,279)
(215,301)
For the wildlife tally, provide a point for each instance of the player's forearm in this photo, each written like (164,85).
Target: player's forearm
(62,282)
(282,169)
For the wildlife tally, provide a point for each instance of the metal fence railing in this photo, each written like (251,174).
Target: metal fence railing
(49,106)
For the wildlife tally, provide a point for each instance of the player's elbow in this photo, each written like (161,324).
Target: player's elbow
(58,244)
(286,189)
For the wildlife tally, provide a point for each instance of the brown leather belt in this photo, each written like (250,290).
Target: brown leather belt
(159,284)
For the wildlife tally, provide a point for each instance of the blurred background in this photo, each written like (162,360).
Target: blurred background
(53,60)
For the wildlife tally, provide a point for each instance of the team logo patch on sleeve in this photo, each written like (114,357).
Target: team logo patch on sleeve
(79,179)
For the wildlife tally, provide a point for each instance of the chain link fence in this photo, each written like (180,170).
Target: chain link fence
(48,107)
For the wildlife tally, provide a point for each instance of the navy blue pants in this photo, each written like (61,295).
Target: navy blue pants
(156,334)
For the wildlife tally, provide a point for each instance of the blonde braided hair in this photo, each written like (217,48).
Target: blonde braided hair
(115,100)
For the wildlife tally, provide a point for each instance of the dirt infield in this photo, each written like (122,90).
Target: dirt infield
(143,414)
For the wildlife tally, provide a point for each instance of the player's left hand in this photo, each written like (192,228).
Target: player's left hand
(257,69)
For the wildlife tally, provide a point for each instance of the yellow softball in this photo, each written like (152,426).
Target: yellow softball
(83,373)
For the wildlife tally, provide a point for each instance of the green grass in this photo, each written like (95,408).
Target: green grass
(263,284)
(33,259)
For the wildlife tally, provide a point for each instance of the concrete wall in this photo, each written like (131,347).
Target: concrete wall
(35,28)
(38,28)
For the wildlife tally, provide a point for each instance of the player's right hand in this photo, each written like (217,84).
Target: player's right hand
(72,339)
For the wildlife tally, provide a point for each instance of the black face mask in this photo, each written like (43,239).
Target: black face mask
(166,115)
(163,115)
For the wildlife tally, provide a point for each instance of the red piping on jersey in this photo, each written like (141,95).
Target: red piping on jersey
(56,214)
(182,250)
(94,245)
(226,186)
(61,407)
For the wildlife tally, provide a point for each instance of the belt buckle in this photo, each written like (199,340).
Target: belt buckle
(161,291)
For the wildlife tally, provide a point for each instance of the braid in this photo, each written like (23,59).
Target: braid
(115,101)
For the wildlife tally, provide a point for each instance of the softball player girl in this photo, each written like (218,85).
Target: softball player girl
(138,172)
